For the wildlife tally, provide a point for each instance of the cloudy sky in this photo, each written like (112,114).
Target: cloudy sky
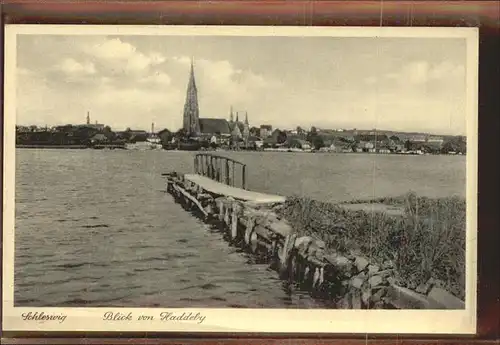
(408,84)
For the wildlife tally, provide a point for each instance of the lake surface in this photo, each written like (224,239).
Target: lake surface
(96,228)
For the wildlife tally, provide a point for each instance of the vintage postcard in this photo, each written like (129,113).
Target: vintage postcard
(240,179)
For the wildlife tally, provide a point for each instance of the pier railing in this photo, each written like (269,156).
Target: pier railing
(221,169)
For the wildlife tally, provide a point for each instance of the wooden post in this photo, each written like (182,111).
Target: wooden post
(205,166)
(227,172)
(212,167)
(244,177)
(215,159)
(249,229)
(221,212)
(219,163)
(233,175)
(285,254)
(226,214)
(234,224)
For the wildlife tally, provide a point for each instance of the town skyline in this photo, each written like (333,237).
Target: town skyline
(126,82)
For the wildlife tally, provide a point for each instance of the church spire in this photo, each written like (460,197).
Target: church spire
(88,117)
(231,115)
(191,121)
(246,129)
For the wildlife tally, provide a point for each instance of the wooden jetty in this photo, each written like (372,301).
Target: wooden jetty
(217,192)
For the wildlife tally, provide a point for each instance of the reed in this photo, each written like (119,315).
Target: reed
(427,242)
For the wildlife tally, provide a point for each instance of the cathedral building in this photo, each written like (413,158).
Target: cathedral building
(202,128)
(191,120)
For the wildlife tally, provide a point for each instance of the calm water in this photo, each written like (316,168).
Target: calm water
(95,228)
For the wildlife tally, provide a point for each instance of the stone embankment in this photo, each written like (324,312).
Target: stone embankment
(348,281)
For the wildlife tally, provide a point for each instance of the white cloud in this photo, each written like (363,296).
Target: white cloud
(421,72)
(157,78)
(71,67)
(115,51)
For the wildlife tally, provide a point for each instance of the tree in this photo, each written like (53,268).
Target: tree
(255,131)
(311,136)
(165,136)
(181,134)
(454,145)
(282,137)
(318,142)
(108,133)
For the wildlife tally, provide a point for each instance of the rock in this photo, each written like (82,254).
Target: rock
(446,299)
(387,264)
(361,263)
(339,260)
(341,264)
(423,289)
(356,300)
(357,282)
(384,273)
(403,298)
(391,280)
(366,297)
(320,249)
(378,295)
(375,281)
(372,269)
(302,244)
(431,282)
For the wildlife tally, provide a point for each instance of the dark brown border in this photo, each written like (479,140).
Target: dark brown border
(482,14)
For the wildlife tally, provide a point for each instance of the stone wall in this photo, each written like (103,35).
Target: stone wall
(351,282)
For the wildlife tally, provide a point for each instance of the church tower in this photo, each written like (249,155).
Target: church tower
(231,116)
(191,121)
(236,129)
(88,117)
(246,129)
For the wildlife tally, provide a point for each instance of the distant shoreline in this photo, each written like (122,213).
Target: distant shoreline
(100,147)
(68,147)
(80,147)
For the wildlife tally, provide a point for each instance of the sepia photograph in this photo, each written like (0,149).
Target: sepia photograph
(194,177)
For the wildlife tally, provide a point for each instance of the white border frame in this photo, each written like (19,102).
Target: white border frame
(245,320)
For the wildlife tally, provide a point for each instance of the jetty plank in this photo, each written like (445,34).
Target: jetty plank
(229,191)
